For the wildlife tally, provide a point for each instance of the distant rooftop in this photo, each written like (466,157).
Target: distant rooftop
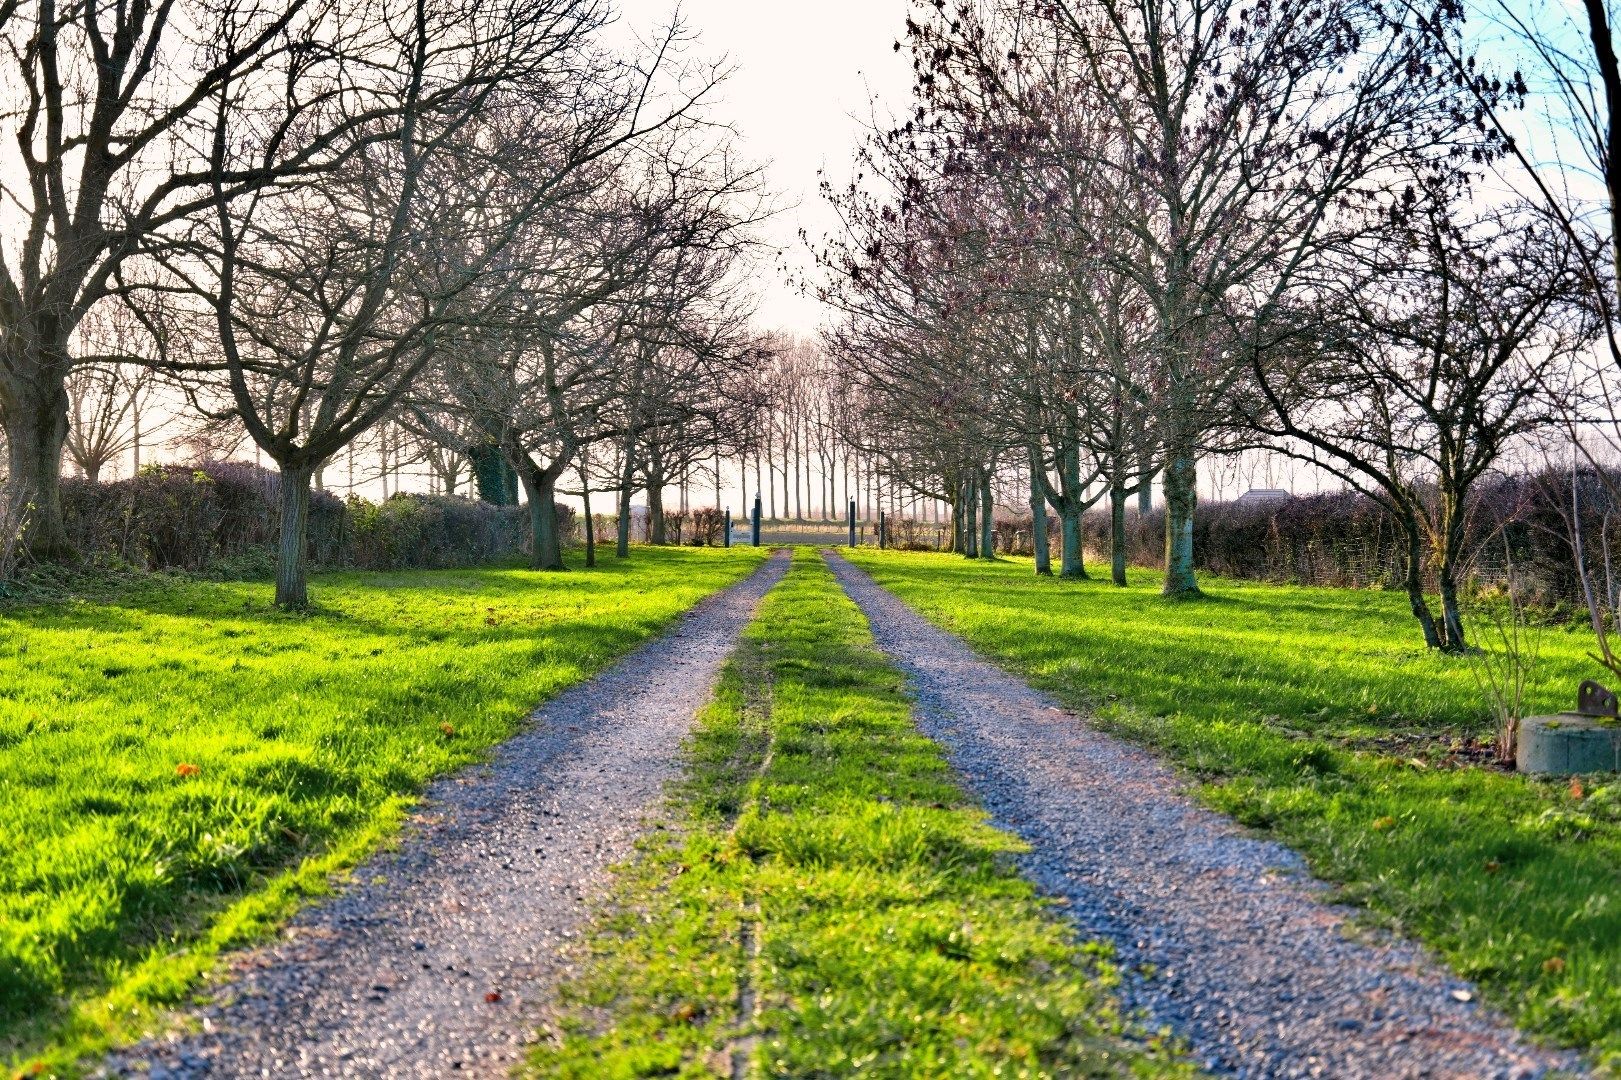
(1254,495)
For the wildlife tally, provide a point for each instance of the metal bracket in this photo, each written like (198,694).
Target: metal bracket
(1595,700)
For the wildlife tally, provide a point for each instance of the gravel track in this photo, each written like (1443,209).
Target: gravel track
(1251,966)
(391,978)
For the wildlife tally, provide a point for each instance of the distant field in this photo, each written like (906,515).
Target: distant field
(1318,714)
(834,532)
(179,765)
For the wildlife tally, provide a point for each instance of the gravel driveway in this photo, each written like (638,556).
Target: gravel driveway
(440,958)
(1250,965)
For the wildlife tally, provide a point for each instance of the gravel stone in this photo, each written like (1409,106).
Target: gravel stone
(1249,963)
(442,956)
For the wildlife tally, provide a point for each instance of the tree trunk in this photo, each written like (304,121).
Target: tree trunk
(799,495)
(546,549)
(292,552)
(1415,587)
(627,477)
(1451,617)
(1452,542)
(1071,556)
(36,424)
(1181,476)
(655,509)
(970,539)
(1038,518)
(1117,534)
(987,518)
(590,526)
(770,476)
(1145,488)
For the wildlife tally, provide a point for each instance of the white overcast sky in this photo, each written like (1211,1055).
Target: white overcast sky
(805,73)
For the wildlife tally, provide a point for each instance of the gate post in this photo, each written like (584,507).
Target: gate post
(883,536)
(728,526)
(852,520)
(754,528)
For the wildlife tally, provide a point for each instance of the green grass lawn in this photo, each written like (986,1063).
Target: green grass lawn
(180,763)
(1317,714)
(825,901)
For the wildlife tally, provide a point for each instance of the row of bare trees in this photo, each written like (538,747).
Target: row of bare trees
(1117,236)
(802,450)
(477,222)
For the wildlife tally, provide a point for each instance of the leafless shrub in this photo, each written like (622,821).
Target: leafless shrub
(707,525)
(15,510)
(1503,661)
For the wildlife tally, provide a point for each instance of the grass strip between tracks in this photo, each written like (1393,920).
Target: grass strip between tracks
(824,901)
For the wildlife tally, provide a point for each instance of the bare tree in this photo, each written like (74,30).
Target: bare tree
(1448,342)
(331,298)
(105,406)
(109,105)
(1234,136)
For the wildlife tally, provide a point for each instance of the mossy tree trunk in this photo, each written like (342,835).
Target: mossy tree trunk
(540,486)
(1071,502)
(1181,497)
(1038,515)
(590,526)
(987,522)
(970,532)
(1117,533)
(292,550)
(627,481)
(1413,580)
(1450,544)
(34,406)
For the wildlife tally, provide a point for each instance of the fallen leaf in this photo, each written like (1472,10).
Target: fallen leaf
(186,768)
(447,729)
(493,996)
(1492,866)
(1576,789)
(1554,965)
(1384,823)
(684,1011)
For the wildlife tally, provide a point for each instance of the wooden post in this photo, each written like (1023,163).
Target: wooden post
(852,522)
(883,534)
(754,529)
(728,526)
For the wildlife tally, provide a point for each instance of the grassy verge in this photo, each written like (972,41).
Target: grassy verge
(180,764)
(1317,714)
(826,902)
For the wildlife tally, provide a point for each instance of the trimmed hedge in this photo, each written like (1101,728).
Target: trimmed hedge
(200,516)
(1346,539)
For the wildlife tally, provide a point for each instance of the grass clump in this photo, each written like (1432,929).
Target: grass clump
(1317,714)
(181,764)
(824,900)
